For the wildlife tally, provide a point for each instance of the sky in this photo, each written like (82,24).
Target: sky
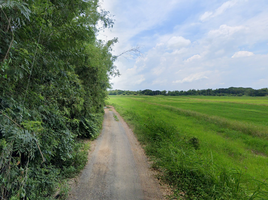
(189,44)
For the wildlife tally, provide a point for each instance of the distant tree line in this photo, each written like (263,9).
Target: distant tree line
(231,91)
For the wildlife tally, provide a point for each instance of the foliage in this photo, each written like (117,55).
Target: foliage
(54,74)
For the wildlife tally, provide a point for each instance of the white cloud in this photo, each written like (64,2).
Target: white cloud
(220,52)
(132,17)
(226,31)
(240,54)
(159,82)
(158,70)
(225,6)
(160,44)
(178,52)
(206,15)
(193,77)
(178,42)
(139,80)
(195,57)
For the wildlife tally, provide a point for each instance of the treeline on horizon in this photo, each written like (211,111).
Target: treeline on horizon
(231,91)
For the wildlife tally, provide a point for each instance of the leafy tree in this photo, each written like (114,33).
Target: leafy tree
(54,74)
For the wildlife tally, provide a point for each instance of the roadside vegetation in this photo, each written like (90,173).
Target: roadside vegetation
(205,147)
(54,75)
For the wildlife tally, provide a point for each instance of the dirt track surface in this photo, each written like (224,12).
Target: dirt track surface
(117,168)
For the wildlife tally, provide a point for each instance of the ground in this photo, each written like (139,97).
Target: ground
(117,167)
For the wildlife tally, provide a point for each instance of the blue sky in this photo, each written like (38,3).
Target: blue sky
(190,44)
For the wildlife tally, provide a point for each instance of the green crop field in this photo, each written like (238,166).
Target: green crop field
(206,147)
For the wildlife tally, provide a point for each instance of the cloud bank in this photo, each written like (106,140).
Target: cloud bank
(190,44)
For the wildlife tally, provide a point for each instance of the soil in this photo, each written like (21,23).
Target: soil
(117,168)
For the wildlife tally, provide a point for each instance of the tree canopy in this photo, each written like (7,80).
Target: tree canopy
(54,75)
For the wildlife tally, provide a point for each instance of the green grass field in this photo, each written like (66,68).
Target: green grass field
(207,147)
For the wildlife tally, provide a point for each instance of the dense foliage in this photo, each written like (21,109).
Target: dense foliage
(232,91)
(54,74)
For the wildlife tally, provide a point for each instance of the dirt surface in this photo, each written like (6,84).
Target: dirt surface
(117,168)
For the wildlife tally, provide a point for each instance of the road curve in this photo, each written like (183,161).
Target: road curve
(117,168)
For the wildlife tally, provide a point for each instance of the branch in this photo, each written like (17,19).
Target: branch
(8,27)
(11,119)
(40,152)
(135,50)
(22,128)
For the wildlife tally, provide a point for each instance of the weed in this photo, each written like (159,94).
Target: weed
(195,142)
(115,117)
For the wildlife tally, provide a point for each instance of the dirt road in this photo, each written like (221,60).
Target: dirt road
(117,167)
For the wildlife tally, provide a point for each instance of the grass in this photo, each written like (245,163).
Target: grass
(203,154)
(116,118)
(239,110)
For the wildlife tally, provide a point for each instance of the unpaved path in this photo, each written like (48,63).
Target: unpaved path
(117,168)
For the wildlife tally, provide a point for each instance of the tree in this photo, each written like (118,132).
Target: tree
(54,76)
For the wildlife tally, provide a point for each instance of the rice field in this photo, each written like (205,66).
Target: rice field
(221,136)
